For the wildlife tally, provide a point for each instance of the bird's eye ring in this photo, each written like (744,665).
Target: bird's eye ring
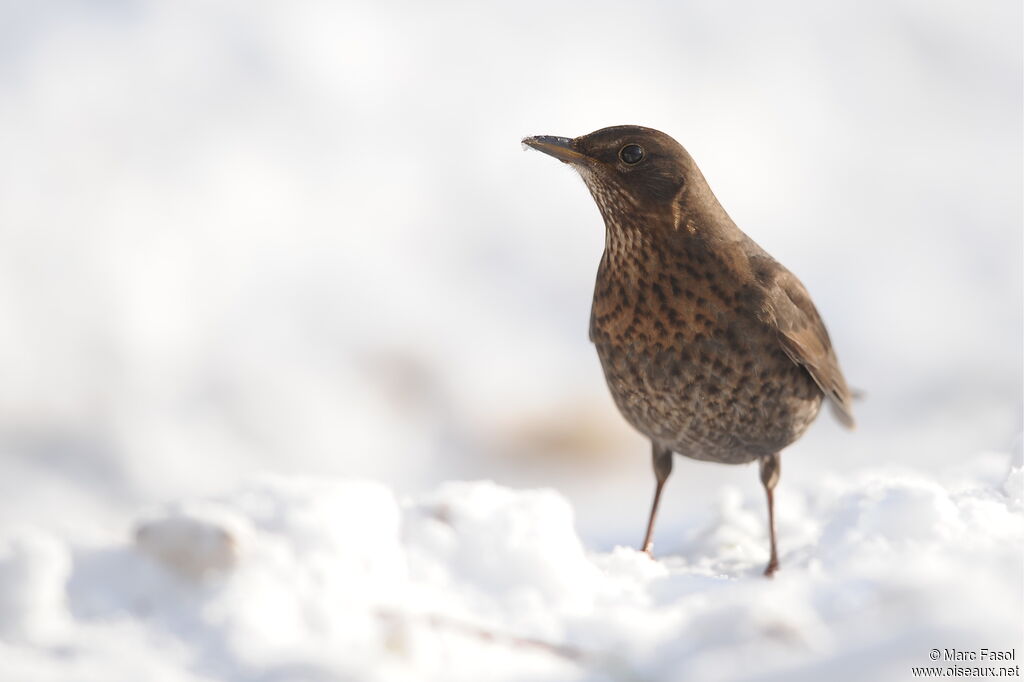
(631,154)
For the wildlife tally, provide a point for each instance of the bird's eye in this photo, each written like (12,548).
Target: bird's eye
(631,154)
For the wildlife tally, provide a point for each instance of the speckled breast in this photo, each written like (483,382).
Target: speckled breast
(690,365)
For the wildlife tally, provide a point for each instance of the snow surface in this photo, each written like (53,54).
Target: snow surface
(300,578)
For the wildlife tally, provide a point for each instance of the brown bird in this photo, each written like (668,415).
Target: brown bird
(710,347)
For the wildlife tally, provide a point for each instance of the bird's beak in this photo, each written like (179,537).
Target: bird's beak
(559,147)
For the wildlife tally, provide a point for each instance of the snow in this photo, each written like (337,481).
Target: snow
(300,578)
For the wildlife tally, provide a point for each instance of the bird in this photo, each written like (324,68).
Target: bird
(710,347)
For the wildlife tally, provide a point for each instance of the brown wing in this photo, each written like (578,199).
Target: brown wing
(805,340)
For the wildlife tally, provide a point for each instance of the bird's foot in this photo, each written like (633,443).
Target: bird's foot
(773,565)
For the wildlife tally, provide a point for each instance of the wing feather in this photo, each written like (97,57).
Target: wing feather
(805,340)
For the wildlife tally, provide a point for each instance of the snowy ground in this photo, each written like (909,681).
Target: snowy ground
(300,579)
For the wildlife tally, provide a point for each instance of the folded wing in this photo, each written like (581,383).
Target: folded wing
(805,340)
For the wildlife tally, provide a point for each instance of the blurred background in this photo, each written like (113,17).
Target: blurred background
(303,237)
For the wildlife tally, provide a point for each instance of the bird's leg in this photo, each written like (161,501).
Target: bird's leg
(662,460)
(770,470)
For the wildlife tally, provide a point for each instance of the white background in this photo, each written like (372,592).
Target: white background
(303,237)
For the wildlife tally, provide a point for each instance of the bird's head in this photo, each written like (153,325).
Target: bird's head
(630,170)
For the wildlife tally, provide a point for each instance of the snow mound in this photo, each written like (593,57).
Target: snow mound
(294,578)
